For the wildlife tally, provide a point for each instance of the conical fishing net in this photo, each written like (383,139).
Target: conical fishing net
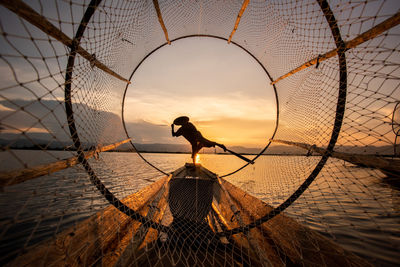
(77,189)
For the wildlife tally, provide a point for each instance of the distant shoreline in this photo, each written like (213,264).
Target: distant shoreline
(168,152)
(147,152)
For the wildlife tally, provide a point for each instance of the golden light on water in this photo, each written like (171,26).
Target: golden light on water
(197,159)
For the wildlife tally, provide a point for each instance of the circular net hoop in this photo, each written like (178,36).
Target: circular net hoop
(332,163)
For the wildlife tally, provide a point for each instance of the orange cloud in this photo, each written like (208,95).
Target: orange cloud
(237,131)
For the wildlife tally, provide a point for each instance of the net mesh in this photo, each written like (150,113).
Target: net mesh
(52,213)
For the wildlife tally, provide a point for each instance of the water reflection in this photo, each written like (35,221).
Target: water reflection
(357,207)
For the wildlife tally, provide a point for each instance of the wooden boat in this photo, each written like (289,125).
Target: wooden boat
(195,206)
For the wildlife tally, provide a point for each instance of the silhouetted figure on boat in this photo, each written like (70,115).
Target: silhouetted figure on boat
(196,139)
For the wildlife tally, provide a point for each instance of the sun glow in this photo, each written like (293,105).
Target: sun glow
(224,91)
(197,159)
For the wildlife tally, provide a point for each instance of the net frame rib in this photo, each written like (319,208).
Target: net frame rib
(369,161)
(360,39)
(160,20)
(239,16)
(396,133)
(393,123)
(29,14)
(26,174)
(108,195)
(340,109)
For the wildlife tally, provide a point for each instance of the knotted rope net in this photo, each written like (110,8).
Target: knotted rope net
(327,174)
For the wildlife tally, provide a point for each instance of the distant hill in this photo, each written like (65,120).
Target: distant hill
(186,148)
(38,140)
(273,149)
(109,127)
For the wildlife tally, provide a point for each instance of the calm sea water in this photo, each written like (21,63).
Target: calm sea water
(358,208)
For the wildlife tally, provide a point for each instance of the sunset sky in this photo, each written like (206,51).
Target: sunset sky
(218,85)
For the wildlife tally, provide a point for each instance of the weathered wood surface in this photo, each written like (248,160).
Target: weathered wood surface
(370,161)
(362,38)
(260,252)
(112,238)
(29,14)
(294,243)
(19,176)
(145,235)
(101,239)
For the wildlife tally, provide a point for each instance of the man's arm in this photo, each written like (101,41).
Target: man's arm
(172,130)
(177,133)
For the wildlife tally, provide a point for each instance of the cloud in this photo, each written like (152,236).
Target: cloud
(147,133)
(204,79)
(160,108)
(48,116)
(238,131)
(4,108)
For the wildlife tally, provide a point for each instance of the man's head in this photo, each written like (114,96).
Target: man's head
(181,120)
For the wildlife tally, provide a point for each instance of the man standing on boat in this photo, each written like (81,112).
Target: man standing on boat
(196,139)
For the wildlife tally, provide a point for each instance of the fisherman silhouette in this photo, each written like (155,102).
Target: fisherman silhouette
(195,138)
